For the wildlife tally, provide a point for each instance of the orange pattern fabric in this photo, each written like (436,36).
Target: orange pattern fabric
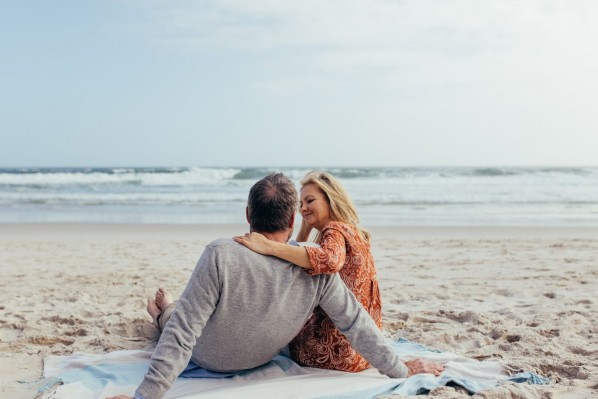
(319,343)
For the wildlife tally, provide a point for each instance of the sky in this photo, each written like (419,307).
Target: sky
(298,83)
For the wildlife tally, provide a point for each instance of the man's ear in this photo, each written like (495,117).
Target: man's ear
(292,222)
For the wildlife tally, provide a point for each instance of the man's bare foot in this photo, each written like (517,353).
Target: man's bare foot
(163,298)
(153,309)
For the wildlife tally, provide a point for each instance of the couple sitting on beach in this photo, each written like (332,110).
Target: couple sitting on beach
(242,307)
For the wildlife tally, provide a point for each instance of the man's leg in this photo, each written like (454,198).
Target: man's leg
(165,316)
(161,308)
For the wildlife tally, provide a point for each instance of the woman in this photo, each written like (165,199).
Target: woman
(344,248)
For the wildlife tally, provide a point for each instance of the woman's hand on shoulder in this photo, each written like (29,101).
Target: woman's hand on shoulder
(256,242)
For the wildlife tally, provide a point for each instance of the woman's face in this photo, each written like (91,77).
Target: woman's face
(314,206)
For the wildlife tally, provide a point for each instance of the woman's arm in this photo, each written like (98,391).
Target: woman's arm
(260,244)
(330,257)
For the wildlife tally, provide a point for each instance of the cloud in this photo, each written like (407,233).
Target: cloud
(267,24)
(356,35)
(508,69)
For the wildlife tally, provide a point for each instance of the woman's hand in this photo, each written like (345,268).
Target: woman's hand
(304,230)
(256,242)
(420,366)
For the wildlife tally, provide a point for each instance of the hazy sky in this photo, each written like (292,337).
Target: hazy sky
(298,83)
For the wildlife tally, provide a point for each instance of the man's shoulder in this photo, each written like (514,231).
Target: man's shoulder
(220,247)
(228,252)
(222,243)
(227,248)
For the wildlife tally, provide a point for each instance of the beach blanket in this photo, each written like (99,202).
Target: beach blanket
(86,376)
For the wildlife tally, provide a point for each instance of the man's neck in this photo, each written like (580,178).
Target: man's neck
(279,236)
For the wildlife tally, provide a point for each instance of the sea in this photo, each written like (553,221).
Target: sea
(384,196)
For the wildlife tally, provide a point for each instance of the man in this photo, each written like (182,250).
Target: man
(241,308)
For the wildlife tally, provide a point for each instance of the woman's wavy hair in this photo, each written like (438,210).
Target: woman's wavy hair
(341,205)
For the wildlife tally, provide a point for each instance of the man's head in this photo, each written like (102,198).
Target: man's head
(272,204)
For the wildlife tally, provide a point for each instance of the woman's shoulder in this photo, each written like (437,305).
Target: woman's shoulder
(333,224)
(352,234)
(347,230)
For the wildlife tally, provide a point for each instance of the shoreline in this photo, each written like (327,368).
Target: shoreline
(212,231)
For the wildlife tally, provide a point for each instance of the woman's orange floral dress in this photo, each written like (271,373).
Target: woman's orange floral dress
(319,343)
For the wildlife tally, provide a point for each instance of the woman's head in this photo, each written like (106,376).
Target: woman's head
(340,207)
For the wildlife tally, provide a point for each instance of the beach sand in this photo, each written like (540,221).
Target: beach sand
(523,296)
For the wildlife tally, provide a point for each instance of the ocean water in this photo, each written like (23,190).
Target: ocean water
(384,196)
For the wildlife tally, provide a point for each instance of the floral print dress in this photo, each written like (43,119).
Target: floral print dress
(319,343)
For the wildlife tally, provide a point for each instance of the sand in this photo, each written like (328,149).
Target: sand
(524,296)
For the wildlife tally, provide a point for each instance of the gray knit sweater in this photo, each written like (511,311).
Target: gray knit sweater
(241,308)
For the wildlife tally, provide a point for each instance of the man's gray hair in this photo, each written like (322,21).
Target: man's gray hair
(272,203)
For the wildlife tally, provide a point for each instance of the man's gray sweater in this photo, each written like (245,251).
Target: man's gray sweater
(241,308)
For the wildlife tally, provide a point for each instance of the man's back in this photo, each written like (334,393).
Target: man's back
(263,303)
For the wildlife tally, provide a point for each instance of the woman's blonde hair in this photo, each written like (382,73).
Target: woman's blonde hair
(341,205)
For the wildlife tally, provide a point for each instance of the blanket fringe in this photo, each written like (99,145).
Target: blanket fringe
(46,386)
